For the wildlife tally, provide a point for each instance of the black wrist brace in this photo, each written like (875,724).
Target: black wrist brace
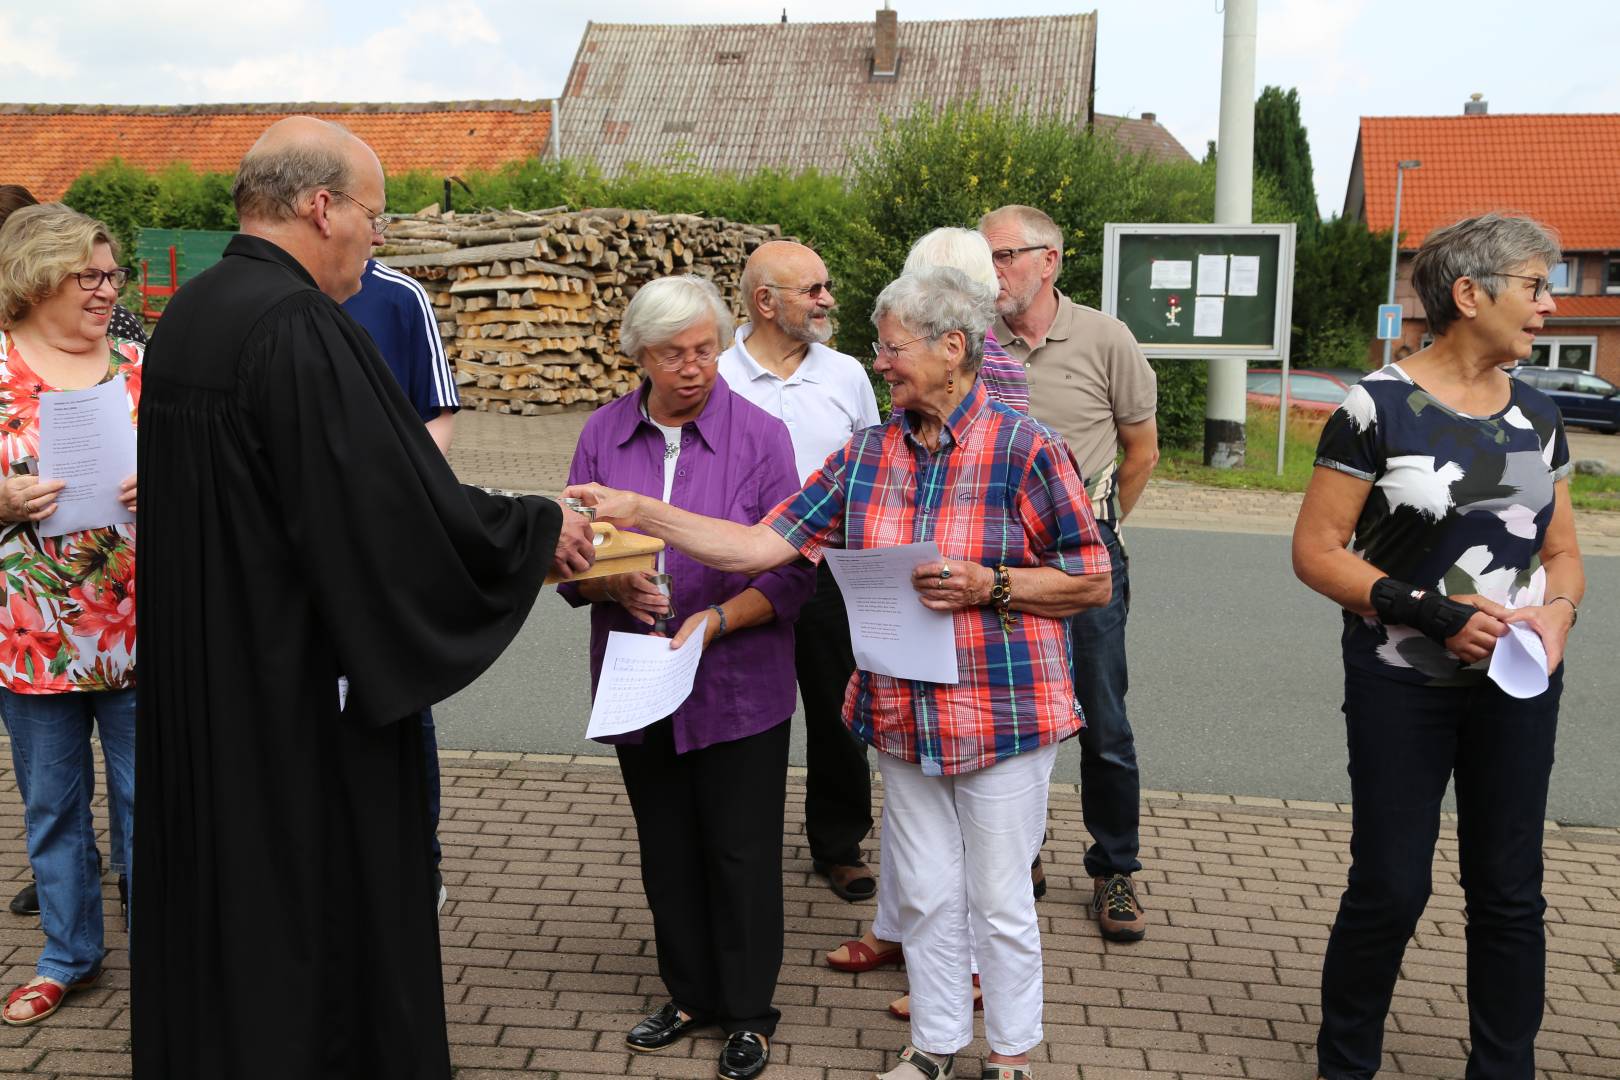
(1435,616)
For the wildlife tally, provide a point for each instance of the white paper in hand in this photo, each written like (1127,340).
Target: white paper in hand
(86,439)
(890,632)
(643,680)
(1519,662)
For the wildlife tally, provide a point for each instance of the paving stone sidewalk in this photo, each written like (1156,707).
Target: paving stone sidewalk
(548,957)
(531,453)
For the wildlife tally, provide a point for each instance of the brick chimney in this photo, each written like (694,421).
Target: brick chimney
(1151,118)
(886,43)
(1476,105)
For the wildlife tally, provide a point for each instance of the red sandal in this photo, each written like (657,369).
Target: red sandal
(862,957)
(49,992)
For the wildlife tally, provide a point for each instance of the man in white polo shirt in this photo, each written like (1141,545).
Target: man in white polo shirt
(781,363)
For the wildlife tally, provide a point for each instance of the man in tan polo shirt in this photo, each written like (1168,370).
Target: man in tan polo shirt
(1089,382)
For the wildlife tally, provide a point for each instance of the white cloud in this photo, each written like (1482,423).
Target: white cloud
(32,48)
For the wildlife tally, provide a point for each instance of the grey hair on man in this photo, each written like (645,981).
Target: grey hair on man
(959,249)
(1035,225)
(664,308)
(1482,249)
(935,301)
(275,175)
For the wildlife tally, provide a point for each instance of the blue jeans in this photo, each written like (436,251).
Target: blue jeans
(50,746)
(1405,743)
(1110,789)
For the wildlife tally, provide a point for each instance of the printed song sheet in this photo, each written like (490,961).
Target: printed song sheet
(1245,277)
(1212,275)
(643,680)
(1519,662)
(892,633)
(1172,274)
(86,439)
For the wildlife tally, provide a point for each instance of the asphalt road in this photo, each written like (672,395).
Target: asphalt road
(1236,681)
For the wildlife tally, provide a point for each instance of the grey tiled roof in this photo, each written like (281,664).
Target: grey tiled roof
(791,95)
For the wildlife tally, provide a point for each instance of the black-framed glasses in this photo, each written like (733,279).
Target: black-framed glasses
(1005,256)
(880,350)
(674,361)
(90,280)
(1542,284)
(812,290)
(379,222)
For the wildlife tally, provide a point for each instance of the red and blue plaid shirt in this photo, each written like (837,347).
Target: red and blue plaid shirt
(1001,489)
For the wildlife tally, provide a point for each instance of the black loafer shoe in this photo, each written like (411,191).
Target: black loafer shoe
(744,1056)
(661,1028)
(26,902)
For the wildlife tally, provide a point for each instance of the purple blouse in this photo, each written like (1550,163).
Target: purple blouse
(736,463)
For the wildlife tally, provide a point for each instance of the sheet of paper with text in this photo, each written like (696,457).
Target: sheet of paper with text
(891,632)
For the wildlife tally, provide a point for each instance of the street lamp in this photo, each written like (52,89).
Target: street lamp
(1395,236)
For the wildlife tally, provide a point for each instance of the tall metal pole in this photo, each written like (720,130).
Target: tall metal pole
(1225,405)
(1395,238)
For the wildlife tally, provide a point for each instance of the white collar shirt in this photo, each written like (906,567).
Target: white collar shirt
(828,399)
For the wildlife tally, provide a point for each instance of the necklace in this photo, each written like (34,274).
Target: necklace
(671,449)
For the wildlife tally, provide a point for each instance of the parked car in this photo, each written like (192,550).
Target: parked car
(1583,398)
(1308,389)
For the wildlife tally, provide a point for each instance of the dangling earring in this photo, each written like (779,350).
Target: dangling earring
(950,381)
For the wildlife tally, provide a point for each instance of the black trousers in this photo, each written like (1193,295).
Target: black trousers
(709,824)
(838,789)
(1405,742)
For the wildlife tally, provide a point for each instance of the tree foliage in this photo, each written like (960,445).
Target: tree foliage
(126,199)
(1282,152)
(1340,278)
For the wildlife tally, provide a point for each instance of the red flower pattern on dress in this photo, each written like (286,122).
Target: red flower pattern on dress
(25,637)
(108,613)
(65,602)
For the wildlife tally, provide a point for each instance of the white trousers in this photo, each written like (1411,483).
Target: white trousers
(956,850)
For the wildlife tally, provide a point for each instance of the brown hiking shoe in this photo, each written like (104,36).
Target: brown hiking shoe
(1117,910)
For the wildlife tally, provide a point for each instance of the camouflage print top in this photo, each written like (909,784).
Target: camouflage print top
(1458,503)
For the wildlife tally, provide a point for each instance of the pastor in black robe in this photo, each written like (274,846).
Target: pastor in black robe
(297,524)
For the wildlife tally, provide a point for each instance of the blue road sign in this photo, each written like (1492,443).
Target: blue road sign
(1389,322)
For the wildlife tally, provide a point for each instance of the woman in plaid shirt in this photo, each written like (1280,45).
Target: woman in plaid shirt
(965,767)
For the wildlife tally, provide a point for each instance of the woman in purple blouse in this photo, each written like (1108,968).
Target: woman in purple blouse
(707,784)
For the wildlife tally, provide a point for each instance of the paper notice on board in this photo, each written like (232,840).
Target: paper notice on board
(1209,316)
(1212,275)
(1245,276)
(643,680)
(86,439)
(890,631)
(1172,274)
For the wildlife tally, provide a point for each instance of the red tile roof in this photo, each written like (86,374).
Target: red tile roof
(1560,169)
(47,146)
(1585,307)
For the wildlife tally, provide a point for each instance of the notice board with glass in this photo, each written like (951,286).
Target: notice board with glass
(1200,291)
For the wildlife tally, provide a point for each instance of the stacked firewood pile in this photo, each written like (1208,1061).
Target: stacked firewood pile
(529,303)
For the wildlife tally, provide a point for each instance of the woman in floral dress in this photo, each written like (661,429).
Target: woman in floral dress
(67,603)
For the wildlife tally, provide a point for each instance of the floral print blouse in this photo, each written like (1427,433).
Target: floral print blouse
(67,603)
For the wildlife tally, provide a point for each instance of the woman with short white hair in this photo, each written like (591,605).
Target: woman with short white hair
(1002,376)
(707,783)
(965,765)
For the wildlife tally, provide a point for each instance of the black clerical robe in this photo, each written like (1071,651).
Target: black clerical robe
(297,524)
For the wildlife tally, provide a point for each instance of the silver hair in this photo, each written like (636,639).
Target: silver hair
(663,308)
(1034,225)
(935,301)
(270,183)
(959,249)
(1481,248)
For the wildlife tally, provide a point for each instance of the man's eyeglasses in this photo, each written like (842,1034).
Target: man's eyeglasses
(1005,256)
(812,290)
(90,280)
(379,222)
(1542,285)
(677,360)
(892,352)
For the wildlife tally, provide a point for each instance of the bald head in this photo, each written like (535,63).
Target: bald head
(778,262)
(293,158)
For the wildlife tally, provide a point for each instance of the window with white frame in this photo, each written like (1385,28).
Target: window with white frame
(1566,276)
(1611,275)
(1563,352)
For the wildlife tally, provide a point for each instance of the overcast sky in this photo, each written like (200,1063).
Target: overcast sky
(1348,58)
